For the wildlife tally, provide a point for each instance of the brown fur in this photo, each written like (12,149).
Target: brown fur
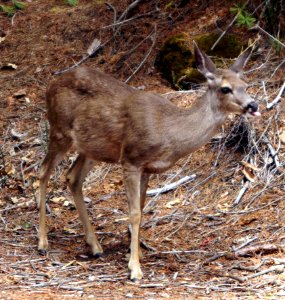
(106,120)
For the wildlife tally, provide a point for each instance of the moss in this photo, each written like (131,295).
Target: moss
(98,1)
(174,56)
(176,62)
(228,47)
(57,9)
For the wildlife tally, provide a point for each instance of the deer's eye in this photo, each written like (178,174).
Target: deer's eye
(226,90)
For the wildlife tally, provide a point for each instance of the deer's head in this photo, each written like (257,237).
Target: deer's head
(227,85)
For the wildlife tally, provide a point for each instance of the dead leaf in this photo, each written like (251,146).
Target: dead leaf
(10,169)
(58,199)
(20,93)
(171,203)
(18,135)
(249,165)
(69,230)
(15,200)
(121,219)
(9,66)
(248,174)
(282,136)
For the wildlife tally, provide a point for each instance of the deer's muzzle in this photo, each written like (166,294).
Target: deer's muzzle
(252,109)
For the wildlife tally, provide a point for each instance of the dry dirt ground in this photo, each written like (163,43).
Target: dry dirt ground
(198,243)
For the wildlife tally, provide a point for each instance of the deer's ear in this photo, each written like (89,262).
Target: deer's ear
(204,63)
(241,61)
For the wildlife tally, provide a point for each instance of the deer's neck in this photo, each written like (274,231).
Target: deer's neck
(197,125)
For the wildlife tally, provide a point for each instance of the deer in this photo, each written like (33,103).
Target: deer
(104,119)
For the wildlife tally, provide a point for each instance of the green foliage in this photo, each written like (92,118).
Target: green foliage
(169,5)
(18,4)
(244,18)
(71,2)
(8,10)
(272,17)
(11,9)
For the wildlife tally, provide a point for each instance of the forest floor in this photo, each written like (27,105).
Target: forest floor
(201,242)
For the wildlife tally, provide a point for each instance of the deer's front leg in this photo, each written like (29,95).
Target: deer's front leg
(132,179)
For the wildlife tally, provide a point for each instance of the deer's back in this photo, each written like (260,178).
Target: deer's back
(105,118)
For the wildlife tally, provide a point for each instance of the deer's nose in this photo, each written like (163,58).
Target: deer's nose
(252,107)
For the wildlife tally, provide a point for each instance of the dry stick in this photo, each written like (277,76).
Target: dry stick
(265,32)
(241,193)
(170,186)
(272,152)
(115,24)
(277,269)
(245,243)
(277,98)
(224,32)
(115,14)
(145,58)
(228,27)
(128,9)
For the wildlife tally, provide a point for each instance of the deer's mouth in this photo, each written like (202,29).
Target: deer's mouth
(252,109)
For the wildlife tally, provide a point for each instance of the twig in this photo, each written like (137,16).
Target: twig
(153,37)
(265,32)
(224,32)
(272,152)
(245,243)
(228,27)
(92,49)
(241,193)
(245,268)
(22,204)
(277,269)
(115,24)
(128,9)
(250,251)
(152,285)
(170,186)
(277,98)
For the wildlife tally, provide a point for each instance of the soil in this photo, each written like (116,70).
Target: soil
(192,236)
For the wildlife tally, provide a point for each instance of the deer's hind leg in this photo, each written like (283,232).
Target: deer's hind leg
(75,179)
(56,150)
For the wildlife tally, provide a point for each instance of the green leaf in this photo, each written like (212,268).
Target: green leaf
(19,4)
(245,19)
(71,2)
(9,10)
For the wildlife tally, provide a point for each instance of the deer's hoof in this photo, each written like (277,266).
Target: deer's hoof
(136,275)
(97,255)
(42,252)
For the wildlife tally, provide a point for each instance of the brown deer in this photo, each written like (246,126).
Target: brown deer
(106,120)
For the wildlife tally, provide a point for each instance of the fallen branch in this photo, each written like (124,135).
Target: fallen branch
(277,98)
(153,37)
(252,250)
(277,269)
(170,186)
